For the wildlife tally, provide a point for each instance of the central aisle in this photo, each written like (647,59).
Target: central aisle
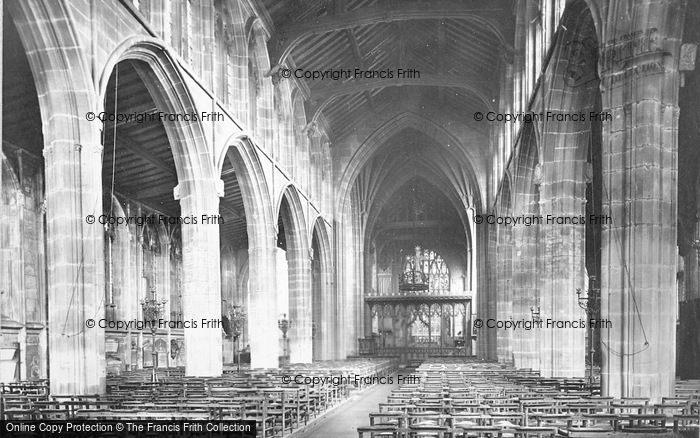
(344,420)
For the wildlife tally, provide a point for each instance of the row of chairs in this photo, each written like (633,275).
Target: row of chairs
(464,399)
(278,406)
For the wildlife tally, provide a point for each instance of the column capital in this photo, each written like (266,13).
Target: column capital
(186,188)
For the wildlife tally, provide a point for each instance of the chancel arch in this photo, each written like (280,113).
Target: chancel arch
(417,290)
(400,122)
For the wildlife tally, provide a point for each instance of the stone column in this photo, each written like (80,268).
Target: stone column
(489,310)
(640,169)
(525,290)
(358,295)
(562,350)
(318,313)
(263,332)
(201,279)
(504,304)
(329,303)
(75,259)
(300,342)
(349,285)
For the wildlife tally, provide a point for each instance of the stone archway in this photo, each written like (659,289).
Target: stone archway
(323,292)
(196,188)
(402,121)
(526,298)
(291,215)
(71,147)
(262,318)
(571,83)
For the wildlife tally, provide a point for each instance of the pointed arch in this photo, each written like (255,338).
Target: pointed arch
(260,87)
(187,140)
(66,92)
(10,244)
(260,225)
(401,121)
(291,212)
(324,299)
(244,158)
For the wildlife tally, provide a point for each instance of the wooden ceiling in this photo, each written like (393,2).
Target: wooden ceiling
(455,44)
(144,168)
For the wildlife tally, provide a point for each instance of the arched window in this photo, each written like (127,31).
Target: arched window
(221,26)
(253,89)
(433,265)
(189,31)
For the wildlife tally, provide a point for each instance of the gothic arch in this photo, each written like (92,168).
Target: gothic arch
(397,182)
(378,138)
(66,92)
(291,212)
(300,147)
(261,90)
(323,299)
(244,157)
(573,86)
(525,170)
(10,243)
(505,195)
(39,28)
(169,92)
(260,226)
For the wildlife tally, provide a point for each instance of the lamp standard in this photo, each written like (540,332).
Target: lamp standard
(152,310)
(238,318)
(590,303)
(284,324)
(152,307)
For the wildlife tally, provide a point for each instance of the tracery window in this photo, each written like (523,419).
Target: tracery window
(433,265)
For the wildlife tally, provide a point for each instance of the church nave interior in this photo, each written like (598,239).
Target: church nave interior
(383,218)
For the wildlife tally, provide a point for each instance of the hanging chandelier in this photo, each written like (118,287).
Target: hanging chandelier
(414,279)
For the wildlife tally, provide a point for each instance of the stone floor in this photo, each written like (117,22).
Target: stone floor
(342,421)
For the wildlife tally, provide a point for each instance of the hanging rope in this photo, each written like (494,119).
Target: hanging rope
(631,287)
(111,206)
(114,141)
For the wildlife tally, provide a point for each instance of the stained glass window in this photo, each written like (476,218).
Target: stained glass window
(432,264)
